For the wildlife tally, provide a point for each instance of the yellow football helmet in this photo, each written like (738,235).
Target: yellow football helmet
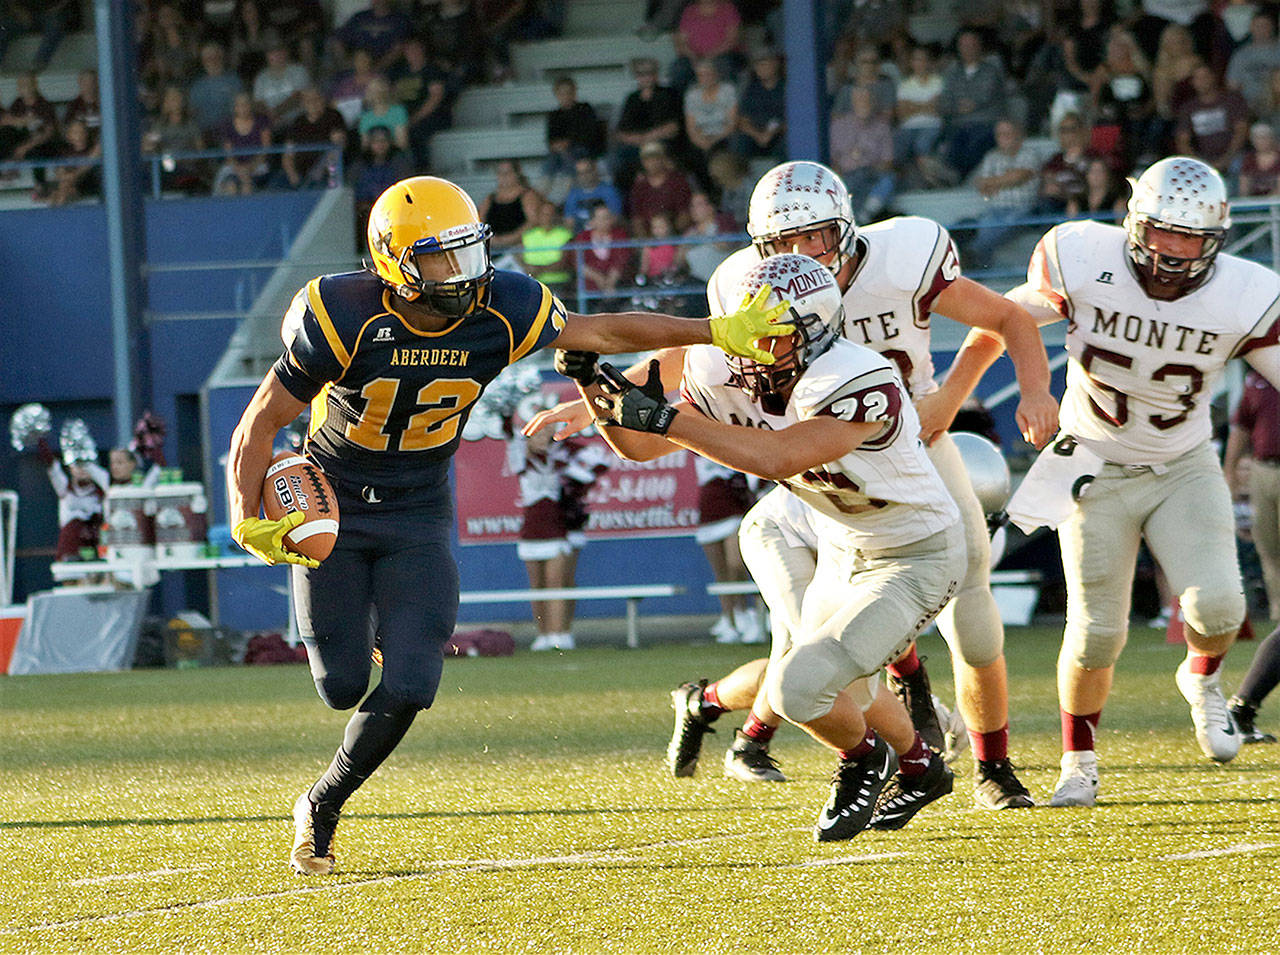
(428,243)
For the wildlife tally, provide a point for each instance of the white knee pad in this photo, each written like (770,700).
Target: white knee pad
(972,627)
(971,622)
(1092,650)
(1213,612)
(794,686)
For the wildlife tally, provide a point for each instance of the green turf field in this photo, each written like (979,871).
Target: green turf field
(530,811)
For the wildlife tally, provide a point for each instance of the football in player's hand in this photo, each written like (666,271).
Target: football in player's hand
(294,483)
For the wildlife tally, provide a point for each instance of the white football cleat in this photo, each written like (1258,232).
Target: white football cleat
(562,641)
(1215,729)
(725,632)
(746,620)
(542,642)
(955,734)
(1078,784)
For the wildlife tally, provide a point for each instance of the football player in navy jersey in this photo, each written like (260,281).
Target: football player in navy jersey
(391,360)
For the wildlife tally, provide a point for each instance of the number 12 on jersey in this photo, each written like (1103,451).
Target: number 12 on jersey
(442,402)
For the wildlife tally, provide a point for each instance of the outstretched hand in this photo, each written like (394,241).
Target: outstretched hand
(579,366)
(575,416)
(738,332)
(631,406)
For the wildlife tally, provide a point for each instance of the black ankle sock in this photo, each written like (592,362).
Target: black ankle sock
(372,733)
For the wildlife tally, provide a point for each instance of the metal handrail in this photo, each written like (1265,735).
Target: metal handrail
(156,160)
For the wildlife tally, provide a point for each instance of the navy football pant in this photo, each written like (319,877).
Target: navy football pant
(392,570)
(1264,671)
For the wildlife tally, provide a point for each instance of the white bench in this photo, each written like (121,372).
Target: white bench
(632,594)
(144,570)
(1016,592)
(999,578)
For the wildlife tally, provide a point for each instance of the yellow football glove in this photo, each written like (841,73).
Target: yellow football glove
(738,332)
(265,539)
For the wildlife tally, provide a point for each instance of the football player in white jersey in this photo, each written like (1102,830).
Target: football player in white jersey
(832,423)
(893,275)
(1154,313)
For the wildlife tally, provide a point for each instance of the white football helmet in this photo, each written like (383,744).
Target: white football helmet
(816,308)
(801,197)
(1178,194)
(987,468)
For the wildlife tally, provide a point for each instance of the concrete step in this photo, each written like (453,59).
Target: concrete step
(57,87)
(613,54)
(518,103)
(476,184)
(75,52)
(937,27)
(946,206)
(602,18)
(463,150)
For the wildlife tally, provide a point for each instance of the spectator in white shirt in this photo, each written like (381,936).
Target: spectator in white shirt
(1252,64)
(1008,179)
(278,86)
(916,111)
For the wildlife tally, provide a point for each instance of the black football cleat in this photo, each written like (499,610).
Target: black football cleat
(1244,714)
(905,796)
(691,725)
(749,760)
(855,785)
(998,788)
(917,697)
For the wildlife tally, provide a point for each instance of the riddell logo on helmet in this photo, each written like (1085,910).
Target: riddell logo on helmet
(454,231)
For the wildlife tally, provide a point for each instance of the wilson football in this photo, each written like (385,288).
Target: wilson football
(295,484)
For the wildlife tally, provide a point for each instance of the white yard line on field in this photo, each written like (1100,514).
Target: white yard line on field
(431,869)
(133,876)
(1239,849)
(847,860)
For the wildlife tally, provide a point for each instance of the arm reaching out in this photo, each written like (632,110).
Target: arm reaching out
(975,305)
(641,425)
(574,417)
(735,333)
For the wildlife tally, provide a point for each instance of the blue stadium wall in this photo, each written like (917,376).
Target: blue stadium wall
(56,323)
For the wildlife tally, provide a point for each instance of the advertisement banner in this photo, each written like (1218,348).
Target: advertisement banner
(632,499)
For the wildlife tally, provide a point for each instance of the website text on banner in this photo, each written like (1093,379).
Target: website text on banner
(652,499)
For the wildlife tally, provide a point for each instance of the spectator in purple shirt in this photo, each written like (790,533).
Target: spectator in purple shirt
(862,152)
(248,129)
(1214,124)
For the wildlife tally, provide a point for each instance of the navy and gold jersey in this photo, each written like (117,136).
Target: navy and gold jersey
(388,402)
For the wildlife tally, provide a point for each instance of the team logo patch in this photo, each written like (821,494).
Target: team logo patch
(1105,278)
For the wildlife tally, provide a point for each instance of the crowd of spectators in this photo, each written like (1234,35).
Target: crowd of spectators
(312,96)
(1114,84)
